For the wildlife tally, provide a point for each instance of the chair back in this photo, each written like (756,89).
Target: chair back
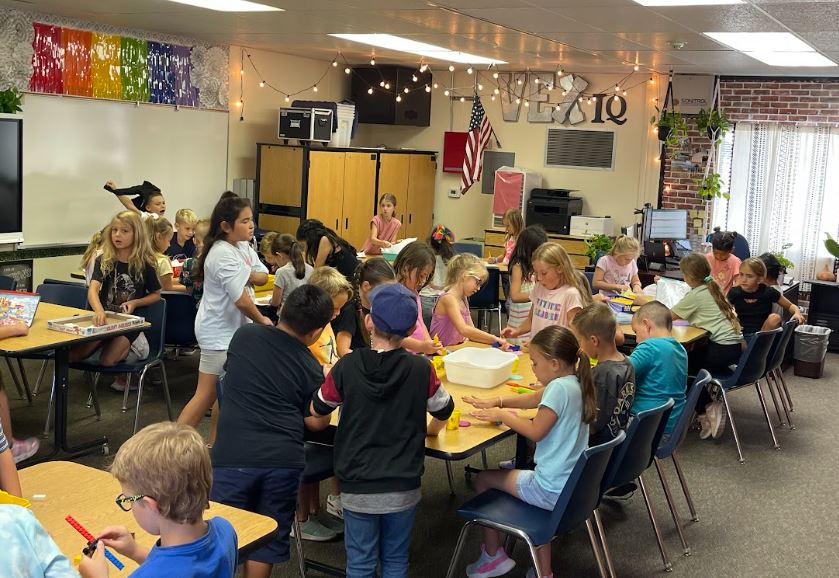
(156,315)
(752,363)
(63,282)
(581,493)
(779,346)
(464,247)
(66,295)
(636,453)
(487,296)
(7,283)
(180,319)
(589,275)
(680,430)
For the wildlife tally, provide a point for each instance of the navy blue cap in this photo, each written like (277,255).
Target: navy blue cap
(393,309)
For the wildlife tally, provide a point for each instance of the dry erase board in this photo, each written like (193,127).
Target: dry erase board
(71,146)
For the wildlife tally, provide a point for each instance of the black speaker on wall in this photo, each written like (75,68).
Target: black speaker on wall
(381,106)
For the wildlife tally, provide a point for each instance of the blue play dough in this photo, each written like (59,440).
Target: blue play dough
(516,377)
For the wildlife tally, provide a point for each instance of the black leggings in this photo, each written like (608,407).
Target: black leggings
(715,358)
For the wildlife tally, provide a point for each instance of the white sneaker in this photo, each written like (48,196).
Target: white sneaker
(489,566)
(508,464)
(705,422)
(119,384)
(716,415)
(333,506)
(531,573)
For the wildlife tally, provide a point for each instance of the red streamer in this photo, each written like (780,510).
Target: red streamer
(47,61)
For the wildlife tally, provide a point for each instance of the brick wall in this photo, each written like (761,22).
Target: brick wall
(812,102)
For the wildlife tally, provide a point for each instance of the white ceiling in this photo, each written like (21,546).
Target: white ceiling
(582,35)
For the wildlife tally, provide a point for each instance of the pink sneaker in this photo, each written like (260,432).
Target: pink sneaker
(25,449)
(489,566)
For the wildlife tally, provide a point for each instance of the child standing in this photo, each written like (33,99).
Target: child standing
(147,199)
(440,241)
(325,247)
(182,246)
(124,279)
(452,320)
(413,266)
(165,474)
(384,227)
(513,225)
(228,268)
(94,249)
(617,272)
(725,267)
(566,406)
(753,300)
(521,276)
(190,268)
(271,377)
(614,377)
(385,393)
(350,332)
(292,270)
(558,296)
(160,234)
(705,306)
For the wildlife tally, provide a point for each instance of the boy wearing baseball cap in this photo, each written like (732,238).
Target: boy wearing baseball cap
(385,392)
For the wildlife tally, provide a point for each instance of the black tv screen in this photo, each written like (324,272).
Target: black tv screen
(11,179)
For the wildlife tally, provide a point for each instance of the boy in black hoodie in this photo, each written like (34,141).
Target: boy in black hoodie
(380,443)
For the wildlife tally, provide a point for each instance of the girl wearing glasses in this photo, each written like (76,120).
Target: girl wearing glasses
(451,321)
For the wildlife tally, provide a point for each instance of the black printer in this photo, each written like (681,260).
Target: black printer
(553,209)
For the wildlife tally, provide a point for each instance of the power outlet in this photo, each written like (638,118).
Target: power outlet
(454,194)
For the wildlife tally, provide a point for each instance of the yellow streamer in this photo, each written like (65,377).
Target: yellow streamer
(105,66)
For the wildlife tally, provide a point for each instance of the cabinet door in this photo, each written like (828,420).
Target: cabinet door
(420,206)
(393,178)
(359,197)
(280,175)
(326,188)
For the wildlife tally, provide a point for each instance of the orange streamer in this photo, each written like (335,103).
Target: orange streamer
(77,77)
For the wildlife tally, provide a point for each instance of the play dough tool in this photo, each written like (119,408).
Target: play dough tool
(91,541)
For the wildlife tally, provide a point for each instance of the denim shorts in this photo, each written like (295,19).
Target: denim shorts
(528,490)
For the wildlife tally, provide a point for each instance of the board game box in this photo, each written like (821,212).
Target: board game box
(17,307)
(83,324)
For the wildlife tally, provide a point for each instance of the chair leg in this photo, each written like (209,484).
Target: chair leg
(461,539)
(41,373)
(671,504)
(24,381)
(602,533)
(733,426)
(784,402)
(668,567)
(166,394)
(49,407)
(298,546)
(684,484)
(535,556)
(484,461)
(139,395)
(450,476)
(94,379)
(125,392)
(766,414)
(595,548)
(14,378)
(780,374)
(775,401)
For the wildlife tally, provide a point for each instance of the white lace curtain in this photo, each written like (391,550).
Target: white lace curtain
(783,188)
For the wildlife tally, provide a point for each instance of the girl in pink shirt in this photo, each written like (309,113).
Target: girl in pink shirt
(559,293)
(725,267)
(618,271)
(513,224)
(384,227)
(413,266)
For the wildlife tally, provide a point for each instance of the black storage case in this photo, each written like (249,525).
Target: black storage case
(553,209)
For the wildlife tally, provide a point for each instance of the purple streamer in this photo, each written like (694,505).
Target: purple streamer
(161,81)
(180,74)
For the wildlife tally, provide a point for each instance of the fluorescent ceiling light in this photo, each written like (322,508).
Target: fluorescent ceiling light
(400,44)
(792,58)
(773,48)
(230,5)
(686,2)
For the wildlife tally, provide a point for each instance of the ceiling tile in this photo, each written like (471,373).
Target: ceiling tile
(595,41)
(822,41)
(817,17)
(624,19)
(665,40)
(730,18)
(530,20)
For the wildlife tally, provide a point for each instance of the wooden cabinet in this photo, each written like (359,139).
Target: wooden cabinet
(359,204)
(410,176)
(325,191)
(574,246)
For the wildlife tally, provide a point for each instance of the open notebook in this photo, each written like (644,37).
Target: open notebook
(17,307)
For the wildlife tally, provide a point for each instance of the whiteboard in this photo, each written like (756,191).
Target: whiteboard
(71,146)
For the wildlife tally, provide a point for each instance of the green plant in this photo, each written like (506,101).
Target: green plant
(715,122)
(831,245)
(597,244)
(782,258)
(710,187)
(672,127)
(10,100)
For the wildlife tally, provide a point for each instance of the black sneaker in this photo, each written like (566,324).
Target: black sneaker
(623,492)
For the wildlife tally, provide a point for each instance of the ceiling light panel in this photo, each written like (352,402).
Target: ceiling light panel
(399,44)
(687,2)
(761,41)
(230,5)
(792,59)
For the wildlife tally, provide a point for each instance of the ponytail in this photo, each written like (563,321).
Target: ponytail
(587,386)
(93,247)
(696,267)
(723,303)
(288,245)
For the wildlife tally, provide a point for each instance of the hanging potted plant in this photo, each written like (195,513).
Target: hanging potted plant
(711,187)
(715,123)
(671,127)
(10,100)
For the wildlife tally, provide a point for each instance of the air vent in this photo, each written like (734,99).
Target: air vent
(580,149)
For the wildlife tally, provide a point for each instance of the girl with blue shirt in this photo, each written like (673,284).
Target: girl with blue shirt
(565,407)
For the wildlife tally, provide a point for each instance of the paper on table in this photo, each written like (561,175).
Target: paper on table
(395,249)
(670,291)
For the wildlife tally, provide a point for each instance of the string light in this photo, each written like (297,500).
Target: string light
(382,84)
(559,72)
(372,62)
(624,93)
(526,103)
(347,70)
(518,101)
(615,98)
(462,99)
(495,75)
(398,98)
(469,70)
(414,77)
(636,68)
(496,91)
(492,98)
(334,63)
(436,85)
(536,80)
(242,72)
(406,91)
(315,88)
(652,80)
(261,84)
(480,86)
(564,92)
(617,88)
(580,99)
(589,100)
(451,68)
(387,86)
(518,81)
(427,88)
(239,103)
(557,107)
(445,92)
(423,68)
(287,98)
(370,90)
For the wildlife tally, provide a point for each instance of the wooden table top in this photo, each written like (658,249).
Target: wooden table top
(88,495)
(684,334)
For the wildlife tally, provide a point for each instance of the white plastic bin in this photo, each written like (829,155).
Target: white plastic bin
(479,367)
(345,117)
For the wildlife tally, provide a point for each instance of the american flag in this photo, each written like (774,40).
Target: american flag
(479,133)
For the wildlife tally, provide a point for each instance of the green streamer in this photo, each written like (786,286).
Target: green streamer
(134,70)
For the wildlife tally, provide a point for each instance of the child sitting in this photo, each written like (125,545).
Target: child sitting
(339,289)
(452,320)
(617,272)
(94,249)
(753,300)
(265,249)
(190,268)
(350,331)
(292,271)
(258,457)
(521,276)
(385,393)
(440,241)
(147,199)
(566,407)
(19,449)
(9,481)
(182,246)
(774,269)
(165,475)
(724,266)
(28,550)
(384,227)
(614,376)
(413,266)
(160,235)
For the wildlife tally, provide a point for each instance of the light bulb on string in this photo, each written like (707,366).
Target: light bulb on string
(387,86)
(451,67)
(624,93)
(492,98)
(536,80)
(518,81)
(436,85)
(414,78)
(427,88)
(398,98)
(580,99)
(559,72)
(564,92)
(242,71)
(372,62)
(480,86)
(405,90)
(590,100)
(315,88)
(617,88)
(347,70)
(446,93)
(261,84)
(469,70)
(495,75)
(370,90)
(615,98)
(636,68)
(462,99)
(423,68)
(382,84)
(652,80)
(518,101)
(526,103)
(239,104)
(334,63)
(496,91)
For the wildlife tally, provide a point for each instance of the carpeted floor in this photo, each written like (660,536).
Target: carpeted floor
(772,516)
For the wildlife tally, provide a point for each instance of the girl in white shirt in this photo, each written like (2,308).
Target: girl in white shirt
(230,267)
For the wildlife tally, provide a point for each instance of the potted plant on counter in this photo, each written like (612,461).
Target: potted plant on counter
(10,100)
(597,246)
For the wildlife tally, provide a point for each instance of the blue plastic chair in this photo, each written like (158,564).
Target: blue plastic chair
(475,248)
(536,526)
(590,278)
(7,283)
(775,375)
(667,449)
(180,320)
(629,462)
(486,298)
(750,369)
(63,282)
(155,314)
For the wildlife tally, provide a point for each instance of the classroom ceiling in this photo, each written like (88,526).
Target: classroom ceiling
(582,35)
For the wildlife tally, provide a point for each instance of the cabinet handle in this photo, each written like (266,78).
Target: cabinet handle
(410,215)
(346,223)
(336,225)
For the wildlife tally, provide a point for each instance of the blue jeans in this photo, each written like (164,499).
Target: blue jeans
(378,538)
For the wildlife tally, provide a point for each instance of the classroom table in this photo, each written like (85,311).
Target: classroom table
(688,335)
(41,339)
(88,495)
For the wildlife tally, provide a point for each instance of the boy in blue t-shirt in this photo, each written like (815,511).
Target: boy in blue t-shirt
(661,363)
(165,474)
